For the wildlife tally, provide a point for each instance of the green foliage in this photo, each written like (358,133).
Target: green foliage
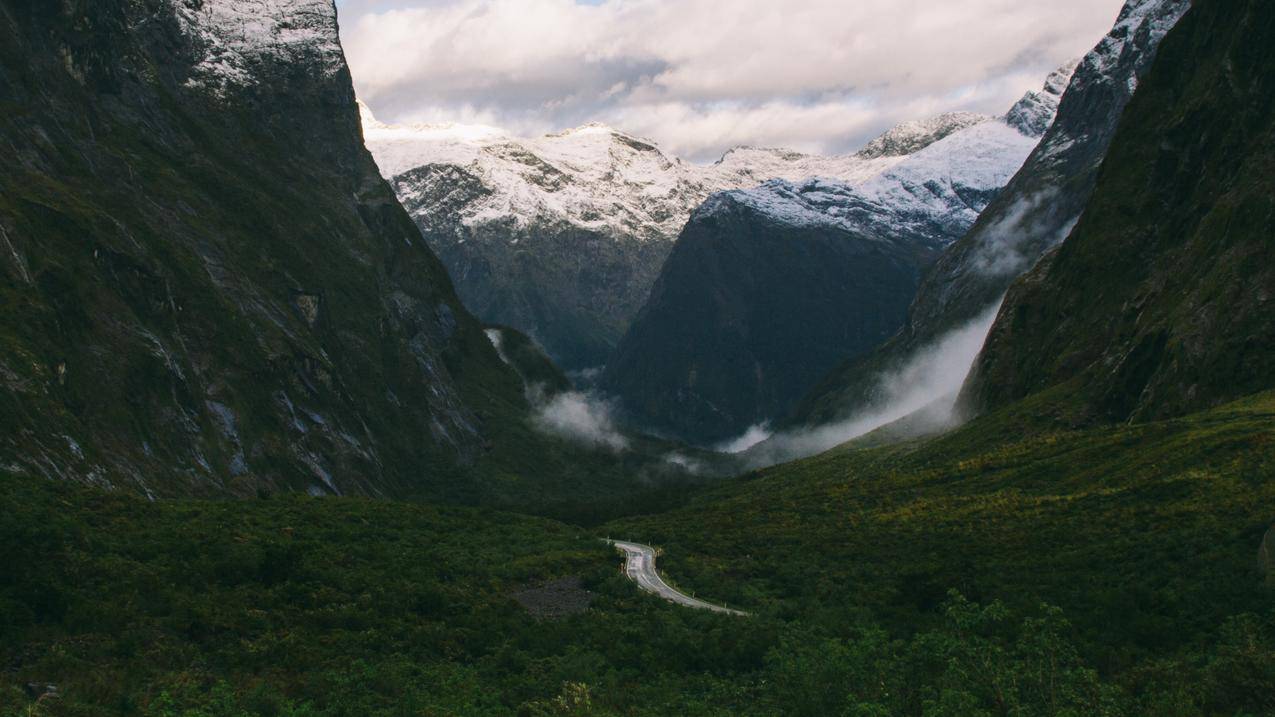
(1126,594)
(1144,535)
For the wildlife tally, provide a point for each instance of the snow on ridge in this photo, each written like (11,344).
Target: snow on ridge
(953,167)
(1153,17)
(593,177)
(1142,24)
(913,136)
(937,191)
(1035,112)
(237,36)
(934,171)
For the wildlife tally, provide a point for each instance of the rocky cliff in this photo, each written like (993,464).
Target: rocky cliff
(1036,211)
(1159,303)
(209,289)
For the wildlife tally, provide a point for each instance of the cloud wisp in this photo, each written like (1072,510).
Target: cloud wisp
(580,417)
(924,390)
(700,77)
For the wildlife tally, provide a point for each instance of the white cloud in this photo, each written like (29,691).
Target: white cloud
(925,388)
(581,417)
(700,76)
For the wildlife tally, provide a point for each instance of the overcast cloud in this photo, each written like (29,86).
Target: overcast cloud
(701,76)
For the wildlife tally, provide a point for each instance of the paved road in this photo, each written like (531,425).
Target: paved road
(640,567)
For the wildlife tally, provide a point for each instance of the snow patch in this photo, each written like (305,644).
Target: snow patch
(237,36)
(593,177)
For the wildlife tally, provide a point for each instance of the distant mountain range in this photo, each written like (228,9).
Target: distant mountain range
(1035,213)
(769,288)
(563,236)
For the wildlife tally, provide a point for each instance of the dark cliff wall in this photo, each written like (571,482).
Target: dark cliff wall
(207,286)
(1160,303)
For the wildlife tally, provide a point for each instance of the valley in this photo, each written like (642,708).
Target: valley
(306,414)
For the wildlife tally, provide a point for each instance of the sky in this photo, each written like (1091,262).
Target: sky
(701,76)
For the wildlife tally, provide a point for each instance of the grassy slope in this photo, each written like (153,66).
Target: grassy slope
(337,606)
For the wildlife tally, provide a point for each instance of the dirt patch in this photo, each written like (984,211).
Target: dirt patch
(555,599)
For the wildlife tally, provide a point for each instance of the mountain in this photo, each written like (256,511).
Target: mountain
(1038,208)
(1159,303)
(768,289)
(563,236)
(197,303)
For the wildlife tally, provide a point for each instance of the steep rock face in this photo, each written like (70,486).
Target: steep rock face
(209,289)
(1159,303)
(563,236)
(1035,212)
(768,289)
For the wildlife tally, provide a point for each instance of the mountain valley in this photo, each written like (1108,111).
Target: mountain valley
(301,412)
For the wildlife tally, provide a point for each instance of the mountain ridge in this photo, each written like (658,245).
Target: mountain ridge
(562,236)
(769,288)
(196,304)
(1037,210)
(1158,304)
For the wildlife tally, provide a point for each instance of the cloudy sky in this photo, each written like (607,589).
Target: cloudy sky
(701,76)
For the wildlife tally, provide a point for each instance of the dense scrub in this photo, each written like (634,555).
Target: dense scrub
(1108,571)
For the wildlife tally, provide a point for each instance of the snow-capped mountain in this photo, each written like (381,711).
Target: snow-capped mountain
(769,288)
(562,236)
(1034,213)
(915,135)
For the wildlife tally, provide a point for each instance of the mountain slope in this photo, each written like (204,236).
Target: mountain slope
(1035,212)
(563,236)
(197,303)
(768,289)
(1159,303)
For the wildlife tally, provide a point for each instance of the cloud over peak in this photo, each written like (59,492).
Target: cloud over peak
(701,76)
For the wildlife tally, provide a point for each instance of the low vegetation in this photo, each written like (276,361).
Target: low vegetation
(1100,571)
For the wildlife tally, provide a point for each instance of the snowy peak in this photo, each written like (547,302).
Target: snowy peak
(936,193)
(1109,75)
(954,166)
(1035,112)
(1142,24)
(235,39)
(592,177)
(911,137)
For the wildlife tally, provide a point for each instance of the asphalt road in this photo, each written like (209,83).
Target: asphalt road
(639,565)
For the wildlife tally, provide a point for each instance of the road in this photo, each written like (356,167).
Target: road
(639,565)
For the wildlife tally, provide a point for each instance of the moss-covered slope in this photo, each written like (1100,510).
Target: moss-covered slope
(207,287)
(1160,302)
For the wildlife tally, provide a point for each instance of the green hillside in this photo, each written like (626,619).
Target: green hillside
(1143,540)
(1159,304)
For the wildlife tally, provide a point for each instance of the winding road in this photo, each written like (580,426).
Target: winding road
(639,565)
